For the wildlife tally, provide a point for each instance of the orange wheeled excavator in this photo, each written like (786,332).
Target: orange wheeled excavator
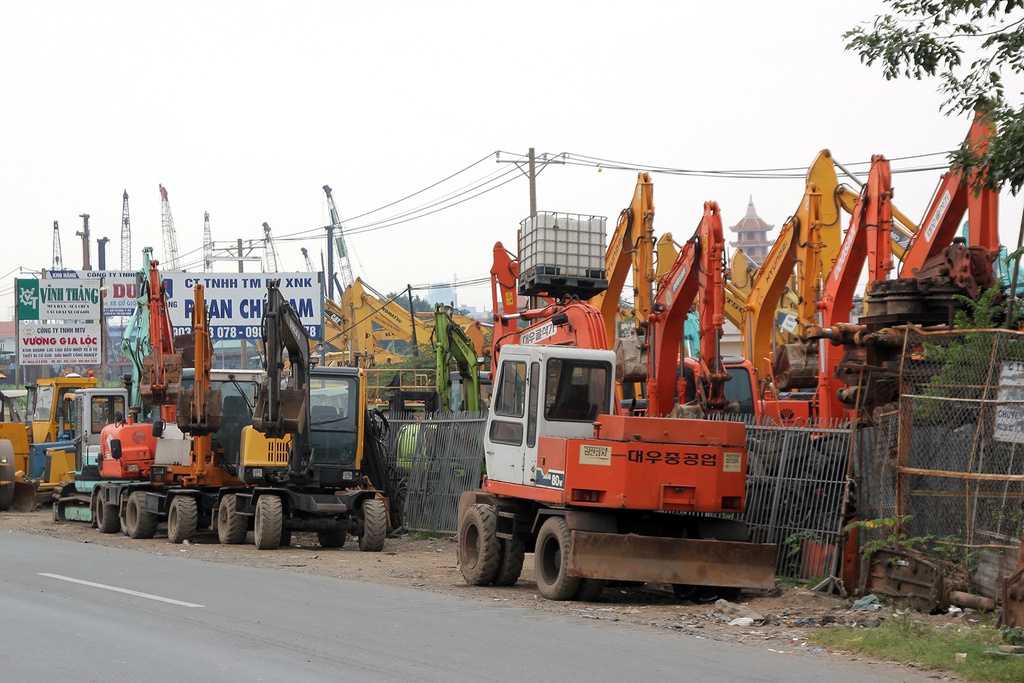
(594,493)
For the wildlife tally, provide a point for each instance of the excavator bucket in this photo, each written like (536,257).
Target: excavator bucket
(695,562)
(26,496)
(6,474)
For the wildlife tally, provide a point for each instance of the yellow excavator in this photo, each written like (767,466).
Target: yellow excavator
(42,446)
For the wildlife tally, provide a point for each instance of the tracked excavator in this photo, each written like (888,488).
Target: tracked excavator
(593,492)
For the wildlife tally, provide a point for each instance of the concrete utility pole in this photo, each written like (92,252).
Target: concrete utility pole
(244,348)
(531,172)
(84,234)
(533,184)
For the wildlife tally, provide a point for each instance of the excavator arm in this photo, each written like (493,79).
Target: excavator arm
(699,269)
(631,248)
(951,200)
(451,342)
(151,347)
(799,242)
(284,410)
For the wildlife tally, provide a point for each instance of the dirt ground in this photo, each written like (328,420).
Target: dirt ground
(792,614)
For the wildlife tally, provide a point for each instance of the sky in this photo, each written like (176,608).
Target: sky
(246,110)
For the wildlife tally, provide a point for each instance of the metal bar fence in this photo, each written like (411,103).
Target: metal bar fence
(436,457)
(796,488)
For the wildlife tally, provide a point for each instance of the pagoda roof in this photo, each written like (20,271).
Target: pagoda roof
(751,222)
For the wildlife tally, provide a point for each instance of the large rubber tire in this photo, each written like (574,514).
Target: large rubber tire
(105,515)
(334,538)
(182,519)
(375,526)
(269,522)
(479,546)
(510,564)
(231,526)
(551,558)
(140,522)
(590,590)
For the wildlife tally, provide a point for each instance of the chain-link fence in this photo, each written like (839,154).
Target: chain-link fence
(951,454)
(436,457)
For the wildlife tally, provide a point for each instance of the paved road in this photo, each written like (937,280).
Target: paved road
(74,611)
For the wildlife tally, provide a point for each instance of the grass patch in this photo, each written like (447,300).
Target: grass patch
(905,639)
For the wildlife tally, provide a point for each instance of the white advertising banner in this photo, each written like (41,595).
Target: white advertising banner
(71,343)
(119,287)
(58,299)
(236,301)
(1009,421)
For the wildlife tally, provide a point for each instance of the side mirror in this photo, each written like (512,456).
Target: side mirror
(158,428)
(115,449)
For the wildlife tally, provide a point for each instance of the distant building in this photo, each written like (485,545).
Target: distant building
(752,235)
(443,294)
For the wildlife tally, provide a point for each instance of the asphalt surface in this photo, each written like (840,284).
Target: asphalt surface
(83,612)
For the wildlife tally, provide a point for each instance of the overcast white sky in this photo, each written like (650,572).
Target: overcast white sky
(246,109)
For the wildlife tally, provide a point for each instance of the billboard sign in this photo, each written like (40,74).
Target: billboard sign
(119,287)
(58,299)
(71,343)
(236,301)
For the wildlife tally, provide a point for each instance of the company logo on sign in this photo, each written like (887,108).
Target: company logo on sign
(28,299)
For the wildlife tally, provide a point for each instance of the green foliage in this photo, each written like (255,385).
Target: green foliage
(929,38)
(907,639)
(895,539)
(1012,636)
(419,304)
(945,549)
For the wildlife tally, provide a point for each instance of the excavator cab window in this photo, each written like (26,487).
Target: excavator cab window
(576,390)
(333,420)
(739,390)
(510,402)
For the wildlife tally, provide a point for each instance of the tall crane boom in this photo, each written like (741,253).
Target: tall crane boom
(170,236)
(126,235)
(307,261)
(344,265)
(271,249)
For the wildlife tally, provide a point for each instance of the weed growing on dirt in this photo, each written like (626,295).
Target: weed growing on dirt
(907,640)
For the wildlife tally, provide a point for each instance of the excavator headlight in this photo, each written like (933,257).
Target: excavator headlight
(257,472)
(348,475)
(133,468)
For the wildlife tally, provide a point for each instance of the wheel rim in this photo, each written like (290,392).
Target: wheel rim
(472,548)
(551,562)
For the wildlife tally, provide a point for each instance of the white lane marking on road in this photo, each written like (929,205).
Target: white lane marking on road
(120,590)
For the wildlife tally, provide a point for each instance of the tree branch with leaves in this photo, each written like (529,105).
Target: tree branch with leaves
(932,38)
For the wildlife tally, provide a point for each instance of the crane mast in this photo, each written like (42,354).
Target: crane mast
(308,261)
(207,243)
(126,236)
(344,265)
(58,258)
(170,236)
